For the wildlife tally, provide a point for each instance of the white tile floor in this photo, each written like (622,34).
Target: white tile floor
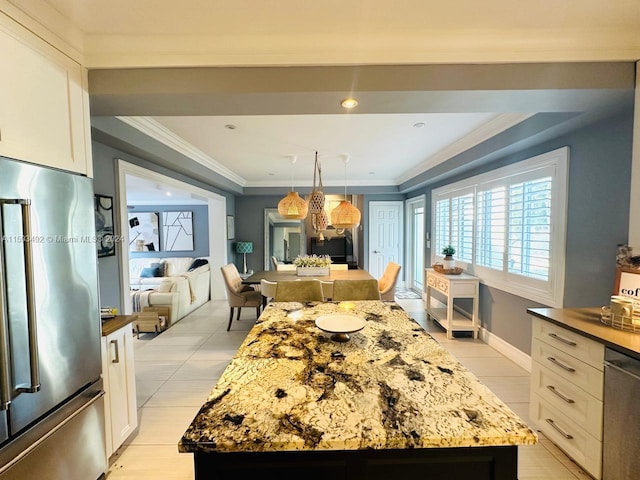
(176,370)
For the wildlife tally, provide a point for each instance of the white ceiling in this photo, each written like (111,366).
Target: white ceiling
(368,149)
(381,148)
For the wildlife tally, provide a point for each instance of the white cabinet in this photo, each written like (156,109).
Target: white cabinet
(453,287)
(44,114)
(120,384)
(567,383)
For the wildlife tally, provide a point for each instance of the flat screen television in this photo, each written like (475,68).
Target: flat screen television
(338,248)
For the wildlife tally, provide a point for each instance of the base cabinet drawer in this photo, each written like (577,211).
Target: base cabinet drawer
(570,368)
(574,344)
(571,401)
(568,436)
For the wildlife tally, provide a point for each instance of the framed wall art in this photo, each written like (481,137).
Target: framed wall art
(177,231)
(144,232)
(105,239)
(231,228)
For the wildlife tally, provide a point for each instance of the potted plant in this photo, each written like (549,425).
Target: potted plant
(449,263)
(312,265)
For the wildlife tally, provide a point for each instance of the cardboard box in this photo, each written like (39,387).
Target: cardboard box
(149,322)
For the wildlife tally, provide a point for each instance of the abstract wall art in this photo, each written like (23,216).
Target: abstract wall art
(177,231)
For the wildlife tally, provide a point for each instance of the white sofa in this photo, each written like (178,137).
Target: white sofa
(179,289)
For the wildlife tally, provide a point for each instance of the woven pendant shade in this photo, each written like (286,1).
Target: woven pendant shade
(320,221)
(316,200)
(345,215)
(292,207)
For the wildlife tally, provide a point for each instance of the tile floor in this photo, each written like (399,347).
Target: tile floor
(176,370)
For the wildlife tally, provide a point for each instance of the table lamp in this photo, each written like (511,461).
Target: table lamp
(244,248)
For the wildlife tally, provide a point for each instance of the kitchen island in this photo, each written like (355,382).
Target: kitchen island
(390,401)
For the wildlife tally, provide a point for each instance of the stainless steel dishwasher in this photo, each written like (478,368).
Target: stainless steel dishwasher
(621,440)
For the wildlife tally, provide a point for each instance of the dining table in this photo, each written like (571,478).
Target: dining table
(291,275)
(388,402)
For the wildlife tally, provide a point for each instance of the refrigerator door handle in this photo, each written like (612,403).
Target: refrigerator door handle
(5,374)
(32,328)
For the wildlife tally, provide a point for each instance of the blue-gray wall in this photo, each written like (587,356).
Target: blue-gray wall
(250,227)
(598,209)
(200,230)
(104,159)
(598,220)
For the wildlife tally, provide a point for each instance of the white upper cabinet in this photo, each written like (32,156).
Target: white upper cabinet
(44,115)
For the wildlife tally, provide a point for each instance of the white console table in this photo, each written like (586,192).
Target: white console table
(453,287)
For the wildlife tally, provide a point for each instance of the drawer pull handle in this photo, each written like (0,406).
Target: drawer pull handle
(561,365)
(563,397)
(563,340)
(562,432)
(115,344)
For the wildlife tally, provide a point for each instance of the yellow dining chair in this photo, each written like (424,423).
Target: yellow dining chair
(387,282)
(355,290)
(299,291)
(239,295)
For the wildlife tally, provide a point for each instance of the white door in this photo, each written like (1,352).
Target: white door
(385,235)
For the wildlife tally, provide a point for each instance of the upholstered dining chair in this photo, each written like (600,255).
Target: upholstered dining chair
(268,290)
(387,282)
(327,290)
(239,295)
(355,290)
(338,266)
(299,291)
(274,262)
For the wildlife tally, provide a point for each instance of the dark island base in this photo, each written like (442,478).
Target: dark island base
(460,463)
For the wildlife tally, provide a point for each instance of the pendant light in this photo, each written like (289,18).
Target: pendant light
(345,215)
(319,219)
(292,207)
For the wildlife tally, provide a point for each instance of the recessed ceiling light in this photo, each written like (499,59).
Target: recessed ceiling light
(419,124)
(349,103)
(230,127)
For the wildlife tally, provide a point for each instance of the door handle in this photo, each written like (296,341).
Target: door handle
(32,321)
(5,379)
(117,357)
(376,251)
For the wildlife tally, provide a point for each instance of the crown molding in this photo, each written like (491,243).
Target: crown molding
(493,127)
(160,133)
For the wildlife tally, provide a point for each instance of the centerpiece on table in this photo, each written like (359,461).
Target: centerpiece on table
(312,265)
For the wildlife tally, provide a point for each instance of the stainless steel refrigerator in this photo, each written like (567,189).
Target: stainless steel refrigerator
(51,397)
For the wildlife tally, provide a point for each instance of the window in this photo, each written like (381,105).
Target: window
(415,238)
(508,226)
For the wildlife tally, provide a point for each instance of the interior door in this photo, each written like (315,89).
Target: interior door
(385,235)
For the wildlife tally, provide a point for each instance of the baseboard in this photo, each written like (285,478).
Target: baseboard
(512,353)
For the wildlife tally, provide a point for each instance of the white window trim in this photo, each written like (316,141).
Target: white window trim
(549,293)
(409,234)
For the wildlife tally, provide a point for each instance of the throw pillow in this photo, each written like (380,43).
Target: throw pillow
(149,272)
(160,266)
(198,262)
(165,286)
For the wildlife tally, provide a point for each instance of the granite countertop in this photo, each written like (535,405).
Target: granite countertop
(587,322)
(392,386)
